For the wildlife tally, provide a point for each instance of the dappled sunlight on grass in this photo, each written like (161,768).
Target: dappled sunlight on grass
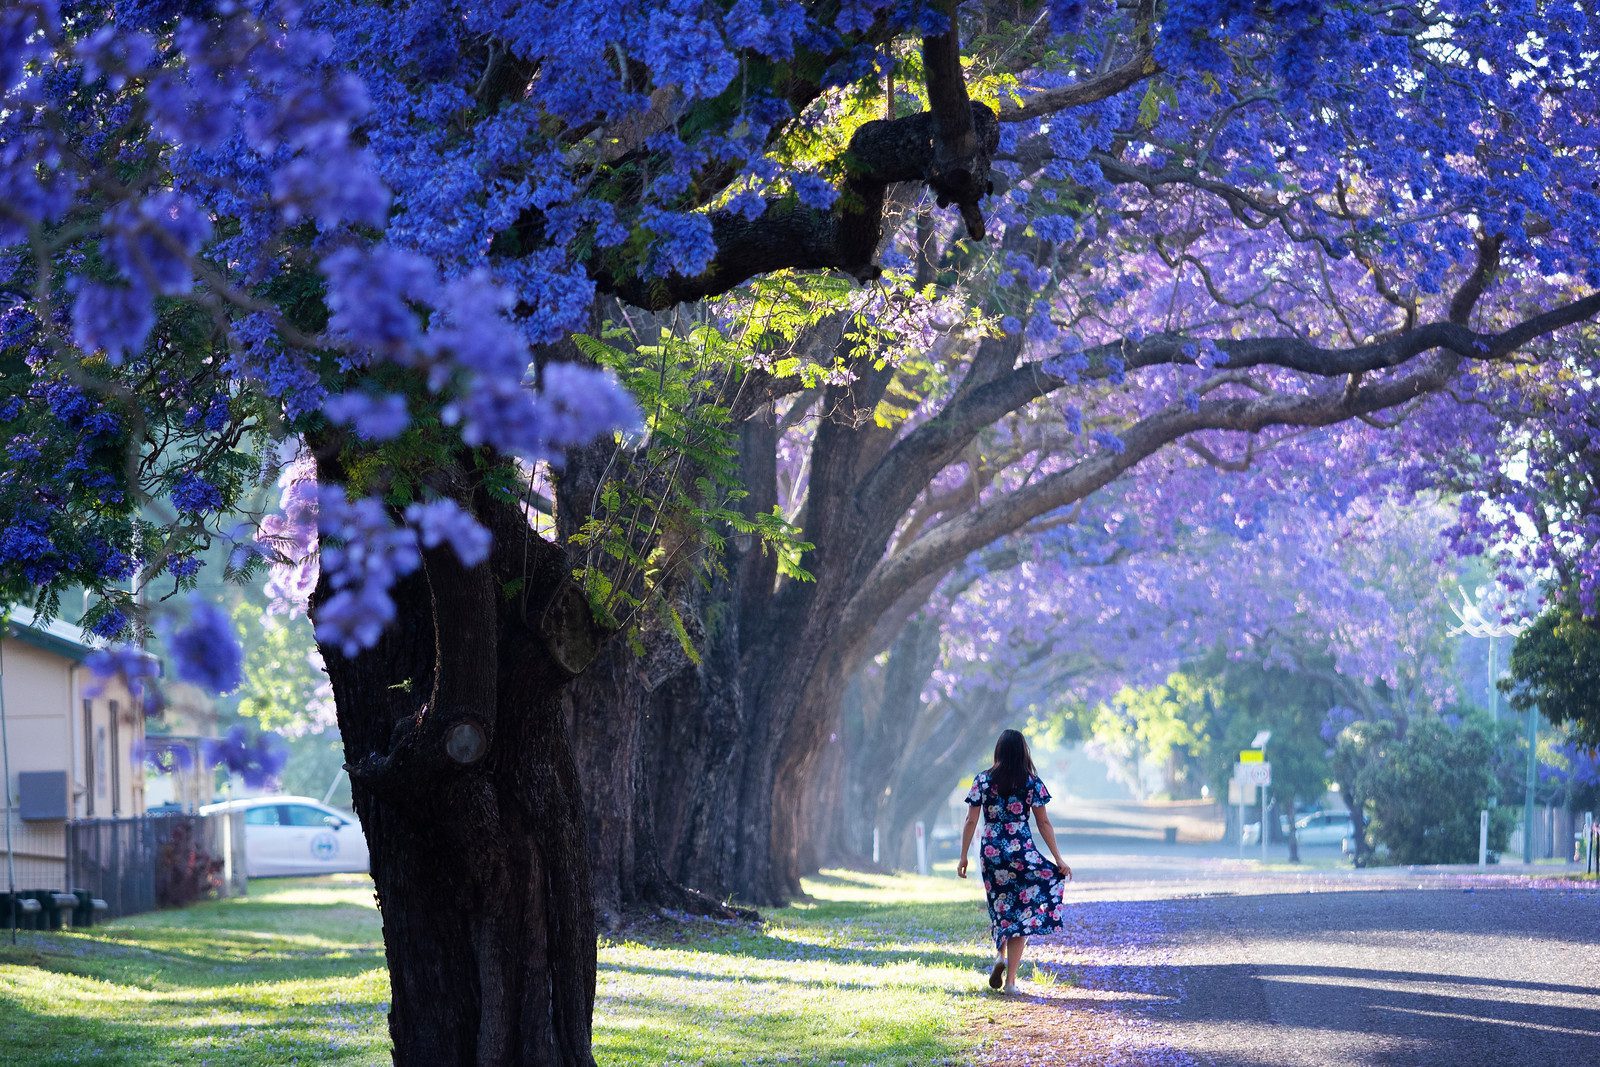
(867,969)
(870,969)
(294,973)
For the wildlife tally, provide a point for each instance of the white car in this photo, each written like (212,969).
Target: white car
(1324,828)
(297,835)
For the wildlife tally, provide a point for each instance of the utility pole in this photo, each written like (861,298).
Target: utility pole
(1527,802)
(1473,623)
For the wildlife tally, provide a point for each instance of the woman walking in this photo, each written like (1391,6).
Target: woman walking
(1024,891)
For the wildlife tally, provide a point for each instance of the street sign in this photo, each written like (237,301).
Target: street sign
(1254,774)
(1252,755)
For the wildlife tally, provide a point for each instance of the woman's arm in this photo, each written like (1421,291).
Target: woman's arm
(966,838)
(1048,832)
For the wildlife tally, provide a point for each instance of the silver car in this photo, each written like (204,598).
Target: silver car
(1324,828)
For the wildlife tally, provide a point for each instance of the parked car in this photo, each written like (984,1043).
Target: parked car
(297,835)
(1324,828)
(1312,828)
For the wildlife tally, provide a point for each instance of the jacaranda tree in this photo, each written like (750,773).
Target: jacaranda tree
(384,241)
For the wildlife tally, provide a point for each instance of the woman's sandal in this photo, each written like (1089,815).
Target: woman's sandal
(995,972)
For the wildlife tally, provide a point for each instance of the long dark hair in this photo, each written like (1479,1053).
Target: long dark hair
(1013,764)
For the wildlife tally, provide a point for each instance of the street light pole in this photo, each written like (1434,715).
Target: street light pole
(1473,623)
(1527,803)
(1494,690)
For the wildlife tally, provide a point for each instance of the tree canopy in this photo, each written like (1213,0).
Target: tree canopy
(533,311)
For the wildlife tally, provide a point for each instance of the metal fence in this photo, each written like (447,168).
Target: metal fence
(151,861)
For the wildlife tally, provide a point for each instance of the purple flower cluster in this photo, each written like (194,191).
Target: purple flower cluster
(192,493)
(134,667)
(258,760)
(205,650)
(444,522)
(380,417)
(289,538)
(363,554)
(471,352)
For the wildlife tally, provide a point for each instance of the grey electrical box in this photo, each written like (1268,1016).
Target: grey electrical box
(44,795)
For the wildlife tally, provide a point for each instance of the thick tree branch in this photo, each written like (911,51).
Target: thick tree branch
(1451,344)
(791,236)
(956,148)
(951,541)
(928,449)
(1137,68)
(1466,297)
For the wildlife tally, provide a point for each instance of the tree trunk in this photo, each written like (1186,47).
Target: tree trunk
(695,735)
(468,794)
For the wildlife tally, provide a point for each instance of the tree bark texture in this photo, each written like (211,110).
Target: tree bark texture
(468,794)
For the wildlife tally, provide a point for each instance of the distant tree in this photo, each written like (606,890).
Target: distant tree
(1427,787)
(286,691)
(1287,696)
(1555,667)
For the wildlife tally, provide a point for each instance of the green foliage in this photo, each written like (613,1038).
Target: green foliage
(1425,788)
(286,691)
(285,688)
(779,307)
(1159,723)
(668,505)
(1555,666)
(1287,694)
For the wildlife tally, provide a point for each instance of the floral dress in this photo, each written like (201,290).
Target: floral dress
(1024,888)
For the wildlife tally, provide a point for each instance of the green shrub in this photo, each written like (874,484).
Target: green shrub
(1425,789)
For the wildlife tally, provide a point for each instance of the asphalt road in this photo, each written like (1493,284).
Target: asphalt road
(1183,957)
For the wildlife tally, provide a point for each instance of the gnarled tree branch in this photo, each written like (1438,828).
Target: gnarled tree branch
(845,238)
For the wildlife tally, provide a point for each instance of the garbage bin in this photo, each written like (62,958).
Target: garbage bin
(30,913)
(1170,835)
(58,907)
(88,910)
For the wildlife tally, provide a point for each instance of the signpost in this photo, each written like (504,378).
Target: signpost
(1253,770)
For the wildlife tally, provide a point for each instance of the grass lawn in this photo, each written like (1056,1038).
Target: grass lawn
(870,970)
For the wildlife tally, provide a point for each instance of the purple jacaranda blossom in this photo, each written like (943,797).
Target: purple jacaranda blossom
(114,319)
(370,297)
(380,417)
(363,553)
(153,242)
(444,522)
(133,665)
(259,760)
(205,650)
(195,495)
(163,756)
